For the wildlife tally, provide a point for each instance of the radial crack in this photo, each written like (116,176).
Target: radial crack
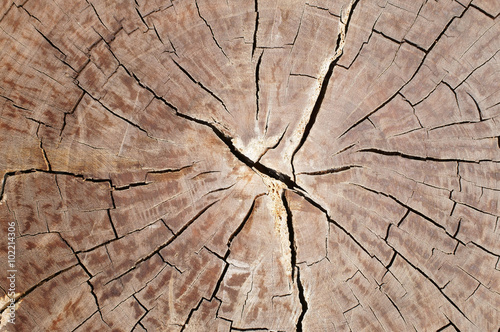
(210,28)
(257,87)
(254,45)
(309,116)
(201,85)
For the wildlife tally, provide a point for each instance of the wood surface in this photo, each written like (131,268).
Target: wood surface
(228,165)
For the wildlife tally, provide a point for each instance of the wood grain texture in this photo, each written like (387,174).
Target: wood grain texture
(195,165)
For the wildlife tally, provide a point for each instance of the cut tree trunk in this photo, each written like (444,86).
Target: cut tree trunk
(228,165)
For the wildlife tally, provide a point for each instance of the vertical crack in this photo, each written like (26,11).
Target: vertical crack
(291,234)
(257,86)
(201,85)
(226,267)
(157,34)
(112,224)
(146,311)
(47,162)
(210,28)
(71,111)
(326,72)
(293,263)
(84,268)
(302,300)
(98,17)
(240,227)
(477,107)
(254,46)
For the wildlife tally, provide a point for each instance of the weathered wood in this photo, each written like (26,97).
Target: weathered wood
(198,165)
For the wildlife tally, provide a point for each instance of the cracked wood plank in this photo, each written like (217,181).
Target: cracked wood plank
(195,165)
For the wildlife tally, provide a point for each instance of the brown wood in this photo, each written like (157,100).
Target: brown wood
(196,165)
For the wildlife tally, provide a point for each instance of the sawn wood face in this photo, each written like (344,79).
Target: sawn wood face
(195,165)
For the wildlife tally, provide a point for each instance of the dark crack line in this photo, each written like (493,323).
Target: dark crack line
(210,28)
(226,267)
(427,158)
(51,43)
(426,53)
(404,41)
(322,92)
(224,259)
(159,248)
(84,321)
(429,129)
(146,182)
(450,324)
(291,234)
(40,283)
(257,86)
(403,218)
(284,178)
(485,250)
(375,110)
(220,189)
(98,17)
(112,224)
(49,167)
(335,223)
(146,311)
(115,114)
(249,329)
(330,170)
(436,285)
(254,45)
(475,208)
(143,21)
(92,291)
(477,107)
(410,209)
(243,223)
(36,170)
(190,315)
(157,34)
(302,300)
(73,109)
(273,146)
(387,232)
(443,32)
(393,258)
(363,44)
(201,85)
(395,306)
(482,11)
(244,159)
(63,55)
(303,75)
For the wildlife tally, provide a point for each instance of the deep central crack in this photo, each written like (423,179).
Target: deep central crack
(398,204)
(276,181)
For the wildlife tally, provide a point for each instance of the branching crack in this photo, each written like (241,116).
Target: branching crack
(159,248)
(310,116)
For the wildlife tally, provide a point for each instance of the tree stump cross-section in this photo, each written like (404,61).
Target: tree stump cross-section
(223,165)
